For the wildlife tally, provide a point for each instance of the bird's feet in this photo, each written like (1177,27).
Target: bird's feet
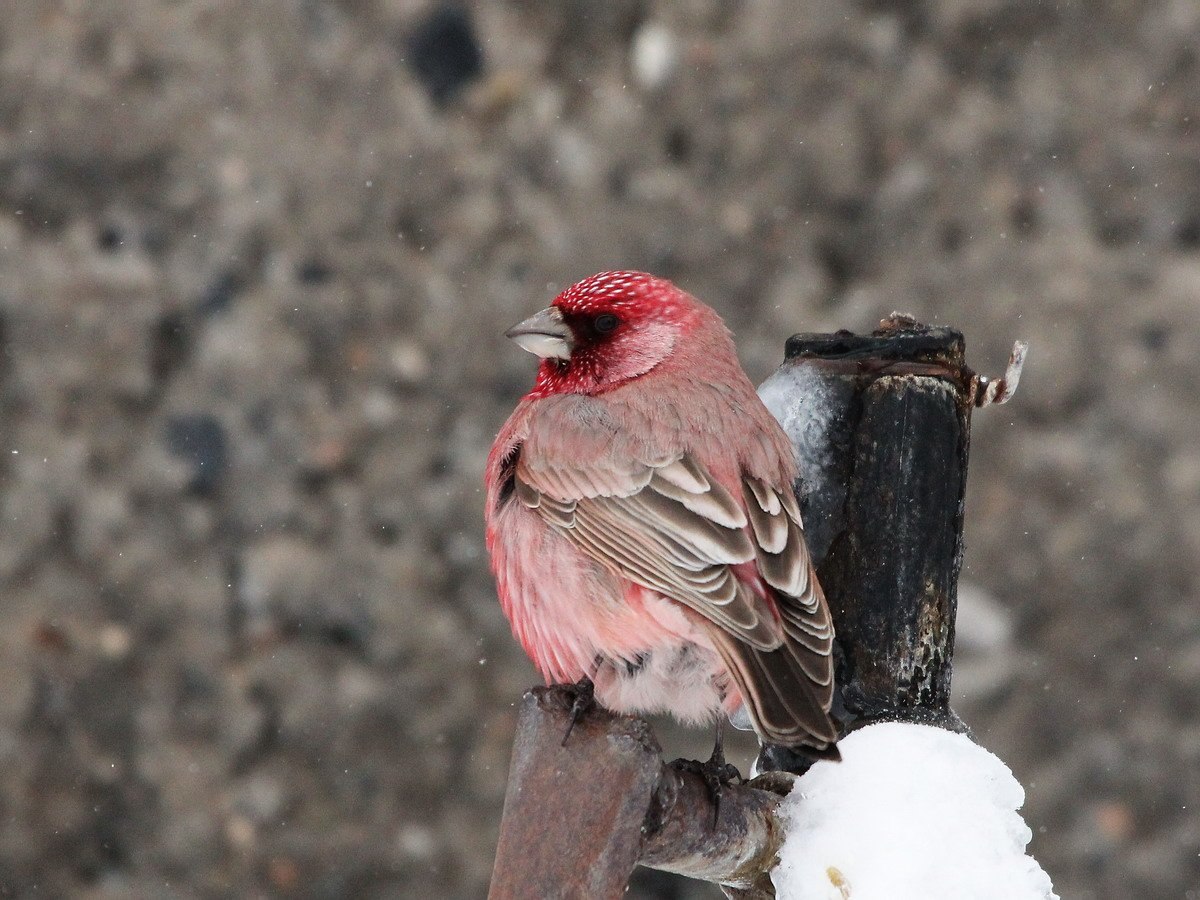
(716,772)
(584,699)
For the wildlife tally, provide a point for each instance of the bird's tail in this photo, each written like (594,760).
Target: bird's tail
(786,705)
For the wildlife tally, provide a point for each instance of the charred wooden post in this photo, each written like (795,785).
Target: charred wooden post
(881,423)
(882,426)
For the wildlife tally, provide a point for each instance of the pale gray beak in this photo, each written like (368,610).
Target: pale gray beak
(544,334)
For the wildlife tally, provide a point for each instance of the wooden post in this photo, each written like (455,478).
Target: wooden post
(882,426)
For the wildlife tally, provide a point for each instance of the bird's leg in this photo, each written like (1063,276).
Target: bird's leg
(585,698)
(726,772)
(716,772)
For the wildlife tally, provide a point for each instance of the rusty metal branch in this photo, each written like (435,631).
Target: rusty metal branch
(681,836)
(578,819)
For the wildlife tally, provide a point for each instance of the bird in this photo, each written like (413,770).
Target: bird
(642,523)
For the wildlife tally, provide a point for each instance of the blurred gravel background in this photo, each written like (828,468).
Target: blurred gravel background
(255,260)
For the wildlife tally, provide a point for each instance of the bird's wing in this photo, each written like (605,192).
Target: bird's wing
(785,564)
(789,690)
(667,525)
(670,526)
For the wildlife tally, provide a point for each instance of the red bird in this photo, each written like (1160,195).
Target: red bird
(641,522)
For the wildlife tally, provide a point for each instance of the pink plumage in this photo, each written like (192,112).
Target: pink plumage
(641,522)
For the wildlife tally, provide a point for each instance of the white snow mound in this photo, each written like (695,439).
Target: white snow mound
(911,812)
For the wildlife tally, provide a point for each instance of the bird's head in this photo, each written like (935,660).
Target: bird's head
(609,329)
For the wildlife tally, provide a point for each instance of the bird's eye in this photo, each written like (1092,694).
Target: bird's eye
(605,323)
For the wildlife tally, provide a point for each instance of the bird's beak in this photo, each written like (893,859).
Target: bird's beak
(544,334)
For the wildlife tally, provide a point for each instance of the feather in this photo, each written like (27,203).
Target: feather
(666,545)
(784,703)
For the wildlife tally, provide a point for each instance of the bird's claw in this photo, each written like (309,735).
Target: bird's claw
(716,772)
(584,699)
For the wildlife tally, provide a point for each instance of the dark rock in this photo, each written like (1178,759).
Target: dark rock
(444,53)
(219,294)
(110,239)
(170,343)
(313,272)
(200,441)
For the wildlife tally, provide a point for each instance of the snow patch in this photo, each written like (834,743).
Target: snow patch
(911,812)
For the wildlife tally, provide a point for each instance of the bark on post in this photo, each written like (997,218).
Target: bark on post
(882,426)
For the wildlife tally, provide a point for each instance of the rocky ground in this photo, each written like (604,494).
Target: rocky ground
(255,260)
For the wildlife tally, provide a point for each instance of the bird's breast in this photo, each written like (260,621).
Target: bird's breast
(568,611)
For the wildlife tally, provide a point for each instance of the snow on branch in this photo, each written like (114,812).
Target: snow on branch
(912,812)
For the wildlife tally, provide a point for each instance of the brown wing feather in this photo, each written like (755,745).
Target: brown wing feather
(670,526)
(789,570)
(678,535)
